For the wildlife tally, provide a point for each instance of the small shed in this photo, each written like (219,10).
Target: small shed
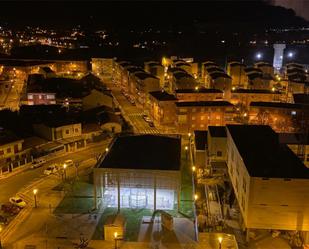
(114,223)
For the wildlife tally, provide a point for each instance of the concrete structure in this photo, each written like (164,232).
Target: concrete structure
(40,98)
(67,133)
(200,114)
(244,97)
(278,56)
(139,171)
(269,181)
(199,94)
(216,140)
(162,107)
(236,71)
(97,98)
(12,154)
(282,117)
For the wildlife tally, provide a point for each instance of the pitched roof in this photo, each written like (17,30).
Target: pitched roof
(263,155)
(150,152)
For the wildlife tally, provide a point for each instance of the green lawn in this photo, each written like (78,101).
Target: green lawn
(186,196)
(78,197)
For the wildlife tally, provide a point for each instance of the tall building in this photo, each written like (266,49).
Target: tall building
(278,56)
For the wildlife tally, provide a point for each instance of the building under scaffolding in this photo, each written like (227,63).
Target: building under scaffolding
(139,171)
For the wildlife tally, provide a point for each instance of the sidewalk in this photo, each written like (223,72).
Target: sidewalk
(41,222)
(54,157)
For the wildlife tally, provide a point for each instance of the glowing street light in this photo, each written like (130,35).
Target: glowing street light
(1,228)
(35,191)
(195,197)
(220,239)
(259,56)
(106,150)
(273,89)
(196,88)
(233,88)
(115,237)
(65,170)
(193,168)
(290,54)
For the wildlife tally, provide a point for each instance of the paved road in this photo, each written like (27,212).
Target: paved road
(133,113)
(9,187)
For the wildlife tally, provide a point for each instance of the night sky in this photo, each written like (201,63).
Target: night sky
(126,13)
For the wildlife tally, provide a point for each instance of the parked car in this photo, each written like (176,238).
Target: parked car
(37,163)
(147,119)
(10,208)
(3,220)
(69,162)
(51,170)
(17,201)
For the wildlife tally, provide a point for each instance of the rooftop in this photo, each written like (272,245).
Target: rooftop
(217,131)
(263,155)
(150,152)
(217,74)
(258,91)
(203,103)
(301,98)
(200,139)
(200,90)
(163,96)
(276,105)
(7,137)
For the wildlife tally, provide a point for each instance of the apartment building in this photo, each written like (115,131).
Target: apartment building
(269,181)
(198,115)
(282,117)
(199,94)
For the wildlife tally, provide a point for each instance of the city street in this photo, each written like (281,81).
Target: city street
(133,114)
(9,187)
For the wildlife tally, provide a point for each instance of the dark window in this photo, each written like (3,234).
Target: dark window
(1,152)
(67,131)
(8,150)
(219,153)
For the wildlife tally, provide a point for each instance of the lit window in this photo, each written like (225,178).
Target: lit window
(293,112)
(30,96)
(193,117)
(202,117)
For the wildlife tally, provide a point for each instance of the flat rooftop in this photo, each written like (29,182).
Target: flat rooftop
(7,137)
(217,131)
(200,90)
(150,152)
(275,105)
(200,138)
(263,155)
(163,96)
(203,103)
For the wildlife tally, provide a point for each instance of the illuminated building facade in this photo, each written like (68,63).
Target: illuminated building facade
(139,171)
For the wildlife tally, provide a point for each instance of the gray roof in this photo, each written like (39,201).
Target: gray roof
(263,155)
(152,152)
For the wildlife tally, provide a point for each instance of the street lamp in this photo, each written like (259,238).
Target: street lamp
(35,191)
(259,56)
(115,237)
(220,242)
(290,54)
(1,228)
(106,150)
(195,197)
(186,149)
(65,171)
(193,168)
